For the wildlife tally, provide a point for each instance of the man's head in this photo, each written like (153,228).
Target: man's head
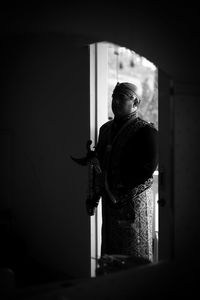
(124,99)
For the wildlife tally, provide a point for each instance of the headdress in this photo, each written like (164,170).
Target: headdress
(126,89)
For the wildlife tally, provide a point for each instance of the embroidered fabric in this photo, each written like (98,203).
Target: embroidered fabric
(124,196)
(128,236)
(143,242)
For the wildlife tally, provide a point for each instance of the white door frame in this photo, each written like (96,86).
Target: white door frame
(98,116)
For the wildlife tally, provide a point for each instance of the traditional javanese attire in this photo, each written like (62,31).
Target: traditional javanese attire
(127,153)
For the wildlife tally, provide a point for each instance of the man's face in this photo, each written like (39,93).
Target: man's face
(122,106)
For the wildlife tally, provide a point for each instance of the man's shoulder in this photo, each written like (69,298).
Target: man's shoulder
(106,125)
(146,125)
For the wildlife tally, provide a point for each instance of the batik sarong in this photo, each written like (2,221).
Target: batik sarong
(131,237)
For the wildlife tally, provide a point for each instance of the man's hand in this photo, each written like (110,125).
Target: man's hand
(91,205)
(90,210)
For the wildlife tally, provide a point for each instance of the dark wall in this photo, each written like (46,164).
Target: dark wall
(166,34)
(46,107)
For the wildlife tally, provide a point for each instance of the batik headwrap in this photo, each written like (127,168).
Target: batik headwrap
(127,89)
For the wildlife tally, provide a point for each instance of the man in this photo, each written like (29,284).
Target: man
(127,154)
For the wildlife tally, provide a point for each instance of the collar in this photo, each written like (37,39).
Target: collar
(123,119)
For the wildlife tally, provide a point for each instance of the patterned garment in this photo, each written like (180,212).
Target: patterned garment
(142,244)
(131,237)
(127,152)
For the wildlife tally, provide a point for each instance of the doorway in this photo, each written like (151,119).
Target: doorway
(110,63)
